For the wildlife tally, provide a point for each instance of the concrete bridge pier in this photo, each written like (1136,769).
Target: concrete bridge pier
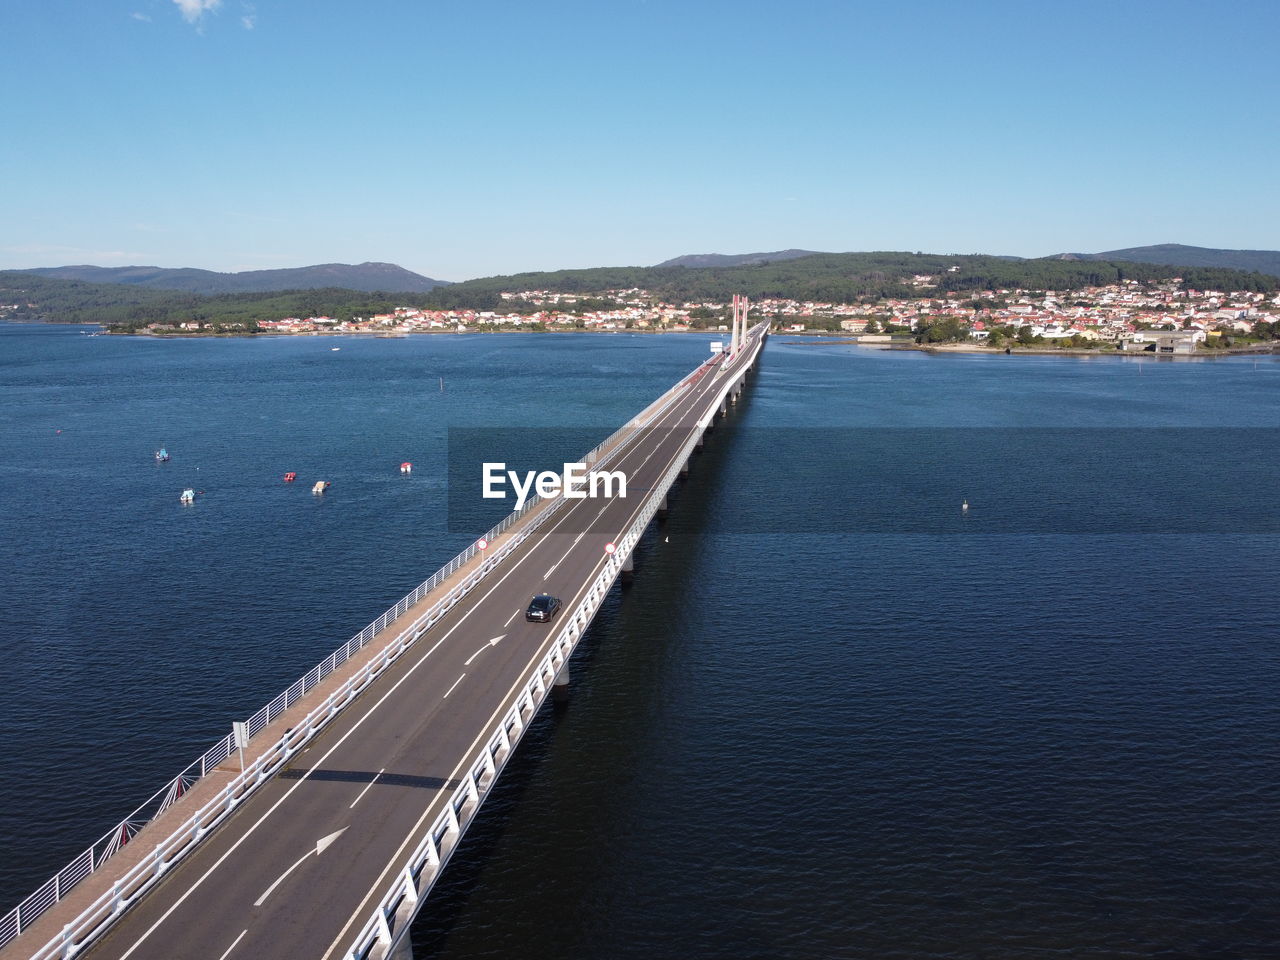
(662,507)
(724,407)
(629,567)
(684,468)
(559,693)
(698,445)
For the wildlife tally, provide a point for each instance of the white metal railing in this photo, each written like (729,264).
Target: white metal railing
(415,878)
(95,919)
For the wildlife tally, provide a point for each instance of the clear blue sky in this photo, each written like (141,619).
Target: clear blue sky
(467,139)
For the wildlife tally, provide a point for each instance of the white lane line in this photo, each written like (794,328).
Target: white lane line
(366,789)
(510,618)
(565,555)
(578,538)
(233,945)
(453,688)
(322,845)
(361,911)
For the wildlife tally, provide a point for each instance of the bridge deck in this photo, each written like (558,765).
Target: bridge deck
(386,766)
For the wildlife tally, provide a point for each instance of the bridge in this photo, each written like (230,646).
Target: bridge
(318,828)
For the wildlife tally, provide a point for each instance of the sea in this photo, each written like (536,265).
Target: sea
(966,657)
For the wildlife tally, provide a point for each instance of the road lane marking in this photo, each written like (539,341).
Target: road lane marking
(233,945)
(510,618)
(366,789)
(491,643)
(322,845)
(451,689)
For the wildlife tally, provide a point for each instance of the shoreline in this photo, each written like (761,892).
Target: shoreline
(1262,350)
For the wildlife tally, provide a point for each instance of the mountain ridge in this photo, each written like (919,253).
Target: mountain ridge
(368,277)
(698,260)
(1182,255)
(1162,254)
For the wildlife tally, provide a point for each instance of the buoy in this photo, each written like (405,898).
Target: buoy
(406,467)
(290,477)
(965,505)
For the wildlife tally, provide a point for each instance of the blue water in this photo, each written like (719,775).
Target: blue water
(955,744)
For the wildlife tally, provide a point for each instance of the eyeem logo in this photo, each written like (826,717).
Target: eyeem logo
(576,483)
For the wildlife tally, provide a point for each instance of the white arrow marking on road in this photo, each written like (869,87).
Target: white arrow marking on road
(491,643)
(322,845)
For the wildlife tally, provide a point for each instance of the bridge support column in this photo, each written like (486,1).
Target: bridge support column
(629,568)
(662,508)
(724,407)
(698,445)
(559,689)
(684,468)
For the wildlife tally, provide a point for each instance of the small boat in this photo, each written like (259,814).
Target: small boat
(188,496)
(162,455)
(406,467)
(290,477)
(320,487)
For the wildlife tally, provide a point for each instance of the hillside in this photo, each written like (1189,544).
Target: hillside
(827,277)
(368,277)
(75,301)
(734,259)
(841,277)
(1181,255)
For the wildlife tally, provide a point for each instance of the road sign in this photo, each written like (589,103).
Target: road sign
(610,547)
(239,737)
(482,543)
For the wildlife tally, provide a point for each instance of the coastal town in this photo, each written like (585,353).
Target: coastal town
(1161,317)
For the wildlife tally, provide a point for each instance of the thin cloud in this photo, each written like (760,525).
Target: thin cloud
(193,10)
(249,20)
(140,16)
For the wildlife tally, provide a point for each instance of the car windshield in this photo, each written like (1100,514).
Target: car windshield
(541,603)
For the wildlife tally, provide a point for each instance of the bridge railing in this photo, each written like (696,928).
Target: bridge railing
(93,920)
(394,913)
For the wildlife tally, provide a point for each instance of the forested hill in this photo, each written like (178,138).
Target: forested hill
(833,277)
(74,301)
(845,277)
(1178,254)
(369,277)
(734,259)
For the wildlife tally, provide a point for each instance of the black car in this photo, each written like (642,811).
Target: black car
(542,608)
